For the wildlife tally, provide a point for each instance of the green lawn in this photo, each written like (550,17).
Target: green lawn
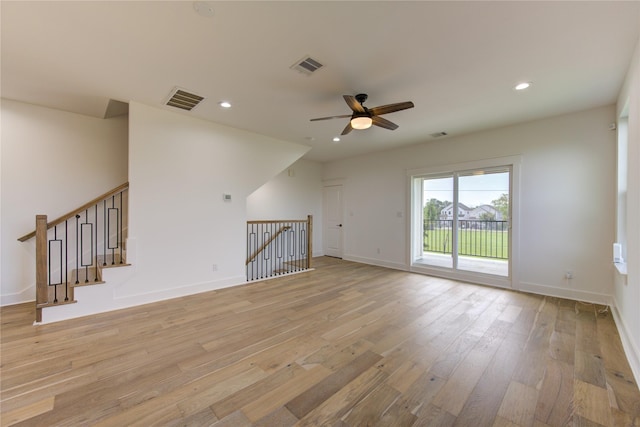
(481,243)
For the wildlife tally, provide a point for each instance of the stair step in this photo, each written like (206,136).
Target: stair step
(108,261)
(86,277)
(60,292)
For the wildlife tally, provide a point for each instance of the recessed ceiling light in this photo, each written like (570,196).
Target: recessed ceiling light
(225,104)
(336,139)
(522,86)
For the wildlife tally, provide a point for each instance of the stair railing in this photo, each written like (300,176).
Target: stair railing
(278,247)
(71,249)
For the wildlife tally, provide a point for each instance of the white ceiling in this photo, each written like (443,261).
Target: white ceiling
(457,61)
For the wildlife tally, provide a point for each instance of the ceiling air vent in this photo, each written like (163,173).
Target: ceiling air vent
(184,100)
(307,65)
(438,134)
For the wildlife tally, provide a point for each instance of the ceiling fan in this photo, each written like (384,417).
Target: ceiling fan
(363,117)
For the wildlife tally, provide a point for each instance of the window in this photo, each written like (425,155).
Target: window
(477,243)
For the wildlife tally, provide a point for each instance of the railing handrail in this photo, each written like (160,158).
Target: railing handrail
(469,220)
(265,244)
(73,213)
(271,253)
(277,220)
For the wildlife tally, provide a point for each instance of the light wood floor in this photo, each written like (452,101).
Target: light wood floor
(343,345)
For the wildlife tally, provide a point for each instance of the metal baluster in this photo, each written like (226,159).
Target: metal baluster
(246,267)
(254,231)
(299,249)
(55,288)
(104,232)
(294,246)
(495,238)
(96,244)
(113,250)
(77,249)
(303,244)
(291,248)
(250,262)
(120,235)
(86,267)
(272,258)
(66,261)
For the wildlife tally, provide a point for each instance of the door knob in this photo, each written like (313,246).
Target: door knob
(339,225)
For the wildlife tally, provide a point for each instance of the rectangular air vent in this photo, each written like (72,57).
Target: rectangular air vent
(438,134)
(307,65)
(184,100)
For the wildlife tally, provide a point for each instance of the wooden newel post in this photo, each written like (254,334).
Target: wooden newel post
(42,289)
(309,239)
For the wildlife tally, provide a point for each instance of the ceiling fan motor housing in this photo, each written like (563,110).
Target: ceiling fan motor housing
(361,98)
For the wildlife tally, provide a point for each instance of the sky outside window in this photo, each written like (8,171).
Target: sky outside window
(474,190)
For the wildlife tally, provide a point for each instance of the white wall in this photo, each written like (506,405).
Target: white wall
(52,162)
(627,288)
(567,199)
(179,168)
(295,193)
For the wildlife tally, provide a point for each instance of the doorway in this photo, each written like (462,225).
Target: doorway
(462,223)
(333,220)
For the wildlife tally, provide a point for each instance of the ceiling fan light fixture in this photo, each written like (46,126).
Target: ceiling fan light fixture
(362,122)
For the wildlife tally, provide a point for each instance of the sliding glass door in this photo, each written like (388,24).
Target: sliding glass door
(462,223)
(483,225)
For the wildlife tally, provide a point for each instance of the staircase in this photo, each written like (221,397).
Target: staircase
(73,250)
(277,247)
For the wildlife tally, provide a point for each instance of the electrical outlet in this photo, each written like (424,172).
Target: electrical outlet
(568,275)
(214,267)
(378,251)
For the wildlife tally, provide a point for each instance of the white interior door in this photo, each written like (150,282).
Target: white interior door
(332,206)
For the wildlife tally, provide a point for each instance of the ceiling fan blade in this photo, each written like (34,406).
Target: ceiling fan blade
(353,103)
(331,117)
(347,129)
(383,123)
(391,108)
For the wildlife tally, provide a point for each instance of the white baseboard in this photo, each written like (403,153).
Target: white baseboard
(103,298)
(377,262)
(630,348)
(27,294)
(573,294)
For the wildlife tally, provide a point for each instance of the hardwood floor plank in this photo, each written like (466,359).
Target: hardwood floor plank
(242,397)
(396,416)
(236,419)
(531,367)
(331,410)
(555,398)
(484,402)
(433,416)
(592,403)
(344,345)
(370,409)
(279,396)
(459,386)
(623,389)
(519,404)
(28,411)
(590,369)
(305,402)
(281,417)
